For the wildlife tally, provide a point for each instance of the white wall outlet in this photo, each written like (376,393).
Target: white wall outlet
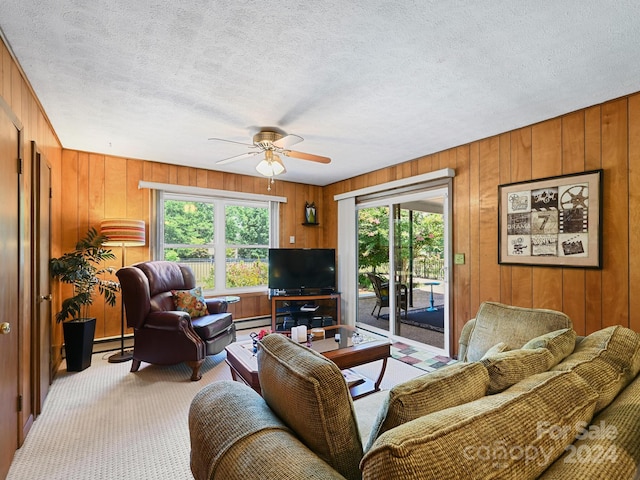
(292,239)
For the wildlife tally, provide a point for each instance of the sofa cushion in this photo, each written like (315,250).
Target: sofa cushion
(607,359)
(232,430)
(515,326)
(308,392)
(510,367)
(559,342)
(191,301)
(609,447)
(447,387)
(497,436)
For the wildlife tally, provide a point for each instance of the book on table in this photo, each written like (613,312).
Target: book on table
(352,378)
(309,307)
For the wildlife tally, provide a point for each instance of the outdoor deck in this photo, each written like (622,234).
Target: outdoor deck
(421,296)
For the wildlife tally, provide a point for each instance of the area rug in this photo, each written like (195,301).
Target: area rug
(423,318)
(422,359)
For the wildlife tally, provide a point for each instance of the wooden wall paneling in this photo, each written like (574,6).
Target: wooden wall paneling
(183,175)
(214,180)
(521,277)
(173,174)
(83,199)
(200,178)
(461,284)
(5,72)
(505,177)
(474,226)
(229,181)
(304,235)
(330,217)
(160,172)
(16,93)
(115,171)
(546,161)
(634,210)
(115,206)
(96,212)
(574,279)
(593,161)
(138,203)
(425,164)
(488,174)
(615,275)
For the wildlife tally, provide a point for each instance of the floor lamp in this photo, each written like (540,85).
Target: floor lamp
(122,232)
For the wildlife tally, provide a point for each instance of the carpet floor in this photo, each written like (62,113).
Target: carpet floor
(107,423)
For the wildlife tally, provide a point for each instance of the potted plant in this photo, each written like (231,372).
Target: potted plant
(81,268)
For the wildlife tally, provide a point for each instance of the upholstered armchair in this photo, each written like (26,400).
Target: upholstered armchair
(163,334)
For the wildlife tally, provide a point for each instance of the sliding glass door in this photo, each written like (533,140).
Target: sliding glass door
(403,249)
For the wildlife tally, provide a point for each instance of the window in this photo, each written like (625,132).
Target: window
(225,241)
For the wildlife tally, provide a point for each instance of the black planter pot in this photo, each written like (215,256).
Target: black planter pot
(78,343)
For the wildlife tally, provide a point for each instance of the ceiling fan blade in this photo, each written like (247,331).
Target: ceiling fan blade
(306,156)
(236,157)
(288,141)
(232,141)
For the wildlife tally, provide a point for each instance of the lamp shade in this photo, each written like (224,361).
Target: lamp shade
(271,165)
(123,231)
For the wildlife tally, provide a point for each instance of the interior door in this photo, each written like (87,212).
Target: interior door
(41,311)
(9,291)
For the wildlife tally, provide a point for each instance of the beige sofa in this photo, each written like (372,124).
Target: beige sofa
(530,400)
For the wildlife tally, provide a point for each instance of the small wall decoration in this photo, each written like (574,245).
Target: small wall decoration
(553,221)
(310,213)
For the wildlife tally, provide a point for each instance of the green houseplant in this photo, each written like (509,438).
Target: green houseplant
(82,269)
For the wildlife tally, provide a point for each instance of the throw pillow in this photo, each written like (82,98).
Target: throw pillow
(608,360)
(190,301)
(447,387)
(497,348)
(560,343)
(508,368)
(308,392)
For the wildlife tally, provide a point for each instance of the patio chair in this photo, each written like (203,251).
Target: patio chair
(381,289)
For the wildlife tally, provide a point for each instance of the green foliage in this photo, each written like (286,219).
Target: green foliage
(247,274)
(188,223)
(426,234)
(80,268)
(246,226)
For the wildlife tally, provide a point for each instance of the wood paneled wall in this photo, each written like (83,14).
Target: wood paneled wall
(100,186)
(605,136)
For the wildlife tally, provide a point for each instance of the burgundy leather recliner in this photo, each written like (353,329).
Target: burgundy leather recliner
(162,334)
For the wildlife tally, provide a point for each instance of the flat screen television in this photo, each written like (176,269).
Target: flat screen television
(302,270)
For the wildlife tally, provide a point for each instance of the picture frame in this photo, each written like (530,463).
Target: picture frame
(551,222)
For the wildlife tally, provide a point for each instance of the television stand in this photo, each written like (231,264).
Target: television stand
(328,303)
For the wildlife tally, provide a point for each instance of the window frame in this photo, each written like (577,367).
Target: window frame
(219,202)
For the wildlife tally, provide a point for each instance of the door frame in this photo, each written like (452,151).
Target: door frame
(436,191)
(347,237)
(41,368)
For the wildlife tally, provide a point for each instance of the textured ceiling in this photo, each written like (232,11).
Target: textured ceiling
(368,83)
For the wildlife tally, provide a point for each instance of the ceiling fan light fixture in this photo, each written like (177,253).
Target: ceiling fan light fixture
(271,165)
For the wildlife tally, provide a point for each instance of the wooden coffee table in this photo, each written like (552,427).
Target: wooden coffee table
(244,365)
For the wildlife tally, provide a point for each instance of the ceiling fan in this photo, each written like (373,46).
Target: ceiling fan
(272,143)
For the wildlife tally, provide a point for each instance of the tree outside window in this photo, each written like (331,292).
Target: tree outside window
(190,237)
